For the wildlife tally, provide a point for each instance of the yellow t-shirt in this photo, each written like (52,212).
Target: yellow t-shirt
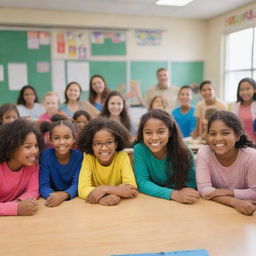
(93,174)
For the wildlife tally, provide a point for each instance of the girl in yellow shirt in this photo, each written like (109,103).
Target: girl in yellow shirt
(106,174)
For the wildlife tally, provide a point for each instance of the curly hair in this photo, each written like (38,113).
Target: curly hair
(79,113)
(252,82)
(67,87)
(178,155)
(121,134)
(93,94)
(232,121)
(7,107)
(13,135)
(124,117)
(21,100)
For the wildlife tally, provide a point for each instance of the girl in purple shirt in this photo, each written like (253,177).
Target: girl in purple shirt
(226,168)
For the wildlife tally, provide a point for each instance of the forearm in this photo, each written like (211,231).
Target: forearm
(227,200)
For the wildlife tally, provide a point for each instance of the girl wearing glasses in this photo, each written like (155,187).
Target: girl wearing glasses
(60,165)
(163,165)
(106,174)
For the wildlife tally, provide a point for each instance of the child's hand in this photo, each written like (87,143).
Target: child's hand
(244,206)
(96,195)
(110,200)
(185,195)
(27,207)
(127,190)
(219,192)
(56,198)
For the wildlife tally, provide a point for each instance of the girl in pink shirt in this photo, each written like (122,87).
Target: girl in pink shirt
(226,168)
(20,143)
(245,106)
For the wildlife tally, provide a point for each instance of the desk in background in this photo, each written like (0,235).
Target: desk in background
(144,224)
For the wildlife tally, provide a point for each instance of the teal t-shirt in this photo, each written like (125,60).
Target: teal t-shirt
(151,175)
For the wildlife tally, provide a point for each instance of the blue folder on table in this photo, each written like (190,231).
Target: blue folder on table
(199,252)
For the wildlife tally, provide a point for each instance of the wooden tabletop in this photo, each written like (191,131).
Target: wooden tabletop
(144,224)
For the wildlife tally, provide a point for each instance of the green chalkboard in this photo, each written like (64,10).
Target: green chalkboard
(114,72)
(186,73)
(13,49)
(144,72)
(109,47)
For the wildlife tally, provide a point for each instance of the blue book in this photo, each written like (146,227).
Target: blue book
(199,252)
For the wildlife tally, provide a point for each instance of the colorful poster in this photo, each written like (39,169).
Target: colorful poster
(44,38)
(244,17)
(118,37)
(32,40)
(70,45)
(148,37)
(97,37)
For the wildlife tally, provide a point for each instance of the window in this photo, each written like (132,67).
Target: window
(240,60)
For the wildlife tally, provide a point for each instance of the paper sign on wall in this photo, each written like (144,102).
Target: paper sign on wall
(17,75)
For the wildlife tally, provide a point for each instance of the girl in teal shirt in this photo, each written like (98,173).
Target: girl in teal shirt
(163,165)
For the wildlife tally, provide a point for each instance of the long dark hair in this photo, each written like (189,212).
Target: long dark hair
(68,85)
(93,94)
(178,155)
(232,121)
(251,82)
(124,117)
(21,100)
(7,107)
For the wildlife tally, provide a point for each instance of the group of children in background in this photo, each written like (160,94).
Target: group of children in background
(86,157)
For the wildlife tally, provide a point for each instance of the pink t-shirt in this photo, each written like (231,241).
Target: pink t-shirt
(20,185)
(45,117)
(245,115)
(240,176)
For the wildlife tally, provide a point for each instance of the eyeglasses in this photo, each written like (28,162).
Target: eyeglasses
(107,144)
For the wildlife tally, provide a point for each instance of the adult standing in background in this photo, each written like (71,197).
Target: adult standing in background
(72,102)
(169,93)
(28,103)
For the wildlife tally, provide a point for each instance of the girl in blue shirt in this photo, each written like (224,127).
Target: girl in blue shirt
(60,165)
(163,165)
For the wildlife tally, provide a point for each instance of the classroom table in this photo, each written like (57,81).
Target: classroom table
(143,224)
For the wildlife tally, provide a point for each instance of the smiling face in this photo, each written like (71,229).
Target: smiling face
(98,85)
(156,136)
(207,92)
(29,96)
(62,139)
(222,139)
(51,104)
(115,105)
(9,116)
(246,92)
(158,103)
(73,92)
(104,146)
(80,122)
(185,97)
(26,154)
(163,79)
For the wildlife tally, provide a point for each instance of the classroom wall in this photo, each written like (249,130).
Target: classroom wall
(214,61)
(184,39)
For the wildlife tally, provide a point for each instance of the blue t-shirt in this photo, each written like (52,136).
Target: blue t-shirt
(54,176)
(186,122)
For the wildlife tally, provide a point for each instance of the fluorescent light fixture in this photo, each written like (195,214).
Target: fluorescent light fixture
(173,2)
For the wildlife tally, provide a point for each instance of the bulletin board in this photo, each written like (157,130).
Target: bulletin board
(14,49)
